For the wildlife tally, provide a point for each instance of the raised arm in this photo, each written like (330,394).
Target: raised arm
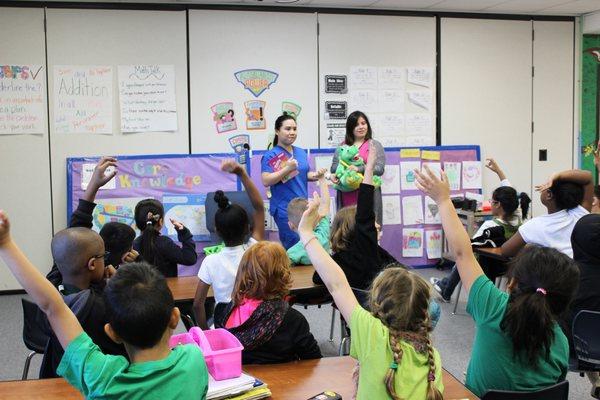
(329,271)
(316,175)
(325,202)
(458,239)
(64,323)
(258,206)
(492,165)
(580,177)
(100,178)
(365,237)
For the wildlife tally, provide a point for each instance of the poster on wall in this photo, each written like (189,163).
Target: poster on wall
(336,110)
(147,98)
(224,117)
(83,99)
(336,133)
(256,81)
(255,114)
(290,108)
(22,108)
(337,84)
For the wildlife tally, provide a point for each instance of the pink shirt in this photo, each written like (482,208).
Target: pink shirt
(351,198)
(242,313)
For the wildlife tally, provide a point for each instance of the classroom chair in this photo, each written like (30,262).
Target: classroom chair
(211,207)
(560,391)
(33,337)
(586,326)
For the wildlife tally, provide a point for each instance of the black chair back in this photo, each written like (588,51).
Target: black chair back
(586,326)
(33,337)
(211,207)
(560,391)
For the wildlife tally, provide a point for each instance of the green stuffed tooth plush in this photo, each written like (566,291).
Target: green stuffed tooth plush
(350,180)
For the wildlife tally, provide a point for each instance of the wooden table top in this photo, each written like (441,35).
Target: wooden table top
(184,287)
(297,380)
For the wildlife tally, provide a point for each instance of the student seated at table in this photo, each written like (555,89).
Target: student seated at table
(567,196)
(391,342)
(118,241)
(508,210)
(295,208)
(142,317)
(518,343)
(585,241)
(259,315)
(233,227)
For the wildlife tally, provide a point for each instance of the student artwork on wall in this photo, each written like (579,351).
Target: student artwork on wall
(83,99)
(22,99)
(412,210)
(407,174)
(256,81)
(412,242)
(391,210)
(433,240)
(255,114)
(290,108)
(453,170)
(224,117)
(147,98)
(390,181)
(432,212)
(471,175)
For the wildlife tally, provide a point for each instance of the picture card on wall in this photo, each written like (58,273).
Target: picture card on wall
(390,181)
(412,242)
(435,167)
(432,212)
(407,174)
(391,210)
(433,241)
(224,117)
(471,175)
(363,77)
(453,170)
(412,210)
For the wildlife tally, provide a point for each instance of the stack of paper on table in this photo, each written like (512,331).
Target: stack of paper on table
(231,387)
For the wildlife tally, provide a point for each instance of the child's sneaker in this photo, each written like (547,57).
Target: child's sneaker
(435,282)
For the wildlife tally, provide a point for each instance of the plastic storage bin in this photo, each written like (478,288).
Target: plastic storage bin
(222,350)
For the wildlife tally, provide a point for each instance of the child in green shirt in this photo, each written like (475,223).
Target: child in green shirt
(142,316)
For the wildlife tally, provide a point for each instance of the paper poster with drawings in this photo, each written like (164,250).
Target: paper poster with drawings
(147,98)
(407,174)
(418,124)
(189,210)
(433,240)
(87,169)
(435,167)
(420,140)
(421,98)
(290,108)
(432,213)
(22,99)
(412,210)
(336,133)
(471,175)
(391,210)
(363,77)
(390,100)
(364,100)
(390,181)
(114,210)
(391,77)
(83,99)
(224,117)
(390,124)
(255,114)
(453,170)
(391,141)
(420,76)
(323,161)
(412,242)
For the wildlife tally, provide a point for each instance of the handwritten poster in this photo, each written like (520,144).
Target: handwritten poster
(412,210)
(83,99)
(421,98)
(391,77)
(453,170)
(471,175)
(433,240)
(364,100)
(432,212)
(420,76)
(391,101)
(391,210)
(363,77)
(390,124)
(412,242)
(147,98)
(407,174)
(390,181)
(418,124)
(22,99)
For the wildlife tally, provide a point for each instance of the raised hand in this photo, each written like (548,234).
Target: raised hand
(100,177)
(131,256)
(310,217)
(436,188)
(492,165)
(178,225)
(231,166)
(4,228)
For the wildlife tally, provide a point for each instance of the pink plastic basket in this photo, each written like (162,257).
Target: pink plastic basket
(222,350)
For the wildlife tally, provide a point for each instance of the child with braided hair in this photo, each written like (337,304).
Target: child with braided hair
(391,342)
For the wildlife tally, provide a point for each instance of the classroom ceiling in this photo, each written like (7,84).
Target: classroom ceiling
(536,7)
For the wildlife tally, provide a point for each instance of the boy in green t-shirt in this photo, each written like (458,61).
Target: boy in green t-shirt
(295,209)
(142,316)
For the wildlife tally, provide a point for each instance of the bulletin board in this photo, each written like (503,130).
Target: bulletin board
(182,181)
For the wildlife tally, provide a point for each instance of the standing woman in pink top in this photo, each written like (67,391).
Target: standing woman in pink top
(359,134)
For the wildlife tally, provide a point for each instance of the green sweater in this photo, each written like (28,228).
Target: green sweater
(298,255)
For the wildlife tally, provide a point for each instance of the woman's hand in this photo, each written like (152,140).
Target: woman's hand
(291,165)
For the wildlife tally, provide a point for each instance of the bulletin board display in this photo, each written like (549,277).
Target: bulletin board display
(181,182)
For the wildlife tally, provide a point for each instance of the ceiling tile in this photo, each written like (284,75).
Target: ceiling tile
(465,5)
(404,4)
(341,3)
(576,7)
(525,6)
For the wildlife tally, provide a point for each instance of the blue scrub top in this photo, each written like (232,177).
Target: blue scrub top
(282,193)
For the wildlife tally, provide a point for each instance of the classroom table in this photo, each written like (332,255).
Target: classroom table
(184,287)
(294,381)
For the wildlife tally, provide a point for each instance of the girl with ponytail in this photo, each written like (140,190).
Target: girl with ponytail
(391,342)
(159,250)
(518,343)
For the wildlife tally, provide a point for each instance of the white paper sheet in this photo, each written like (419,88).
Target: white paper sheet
(83,99)
(390,125)
(391,141)
(391,101)
(453,170)
(147,98)
(412,210)
(363,77)
(391,210)
(432,212)
(418,124)
(364,100)
(434,243)
(391,180)
(420,140)
(435,167)
(421,98)
(407,175)
(391,77)
(412,242)
(471,175)
(421,76)
(22,100)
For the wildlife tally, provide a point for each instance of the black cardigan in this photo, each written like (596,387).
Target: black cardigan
(168,254)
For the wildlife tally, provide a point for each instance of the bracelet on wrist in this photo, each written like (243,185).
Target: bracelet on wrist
(307,241)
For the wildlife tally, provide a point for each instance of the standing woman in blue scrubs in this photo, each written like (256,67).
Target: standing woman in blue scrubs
(283,190)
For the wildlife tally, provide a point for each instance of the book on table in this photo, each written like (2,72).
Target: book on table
(244,387)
